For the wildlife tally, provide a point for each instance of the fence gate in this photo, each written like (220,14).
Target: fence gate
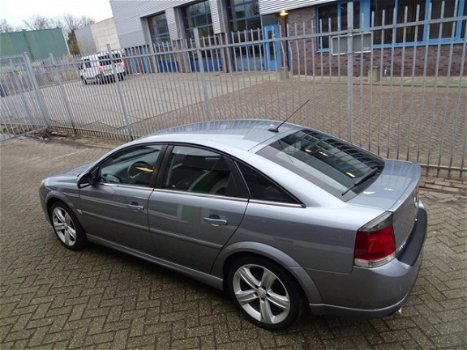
(22,108)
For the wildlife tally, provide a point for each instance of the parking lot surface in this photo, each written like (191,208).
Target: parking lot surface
(51,297)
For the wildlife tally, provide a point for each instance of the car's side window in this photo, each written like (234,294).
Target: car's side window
(261,188)
(87,63)
(134,166)
(198,170)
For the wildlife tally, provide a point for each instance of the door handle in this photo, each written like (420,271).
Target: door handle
(135,206)
(215,220)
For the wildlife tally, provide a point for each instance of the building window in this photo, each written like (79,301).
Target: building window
(386,12)
(333,18)
(158,28)
(198,16)
(428,33)
(243,15)
(436,8)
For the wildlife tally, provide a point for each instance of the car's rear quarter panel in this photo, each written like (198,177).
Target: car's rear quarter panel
(317,238)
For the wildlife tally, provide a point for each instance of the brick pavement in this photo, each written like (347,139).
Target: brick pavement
(98,298)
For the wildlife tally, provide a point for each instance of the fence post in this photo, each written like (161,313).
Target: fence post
(152,53)
(21,93)
(120,93)
(37,91)
(202,77)
(62,91)
(349,68)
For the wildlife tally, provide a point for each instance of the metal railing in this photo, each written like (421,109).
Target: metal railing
(401,99)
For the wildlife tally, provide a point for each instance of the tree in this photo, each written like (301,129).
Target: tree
(38,22)
(69,24)
(5,26)
(73,43)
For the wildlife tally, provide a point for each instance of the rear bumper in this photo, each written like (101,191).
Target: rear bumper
(374,292)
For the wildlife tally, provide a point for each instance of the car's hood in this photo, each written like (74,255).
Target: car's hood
(397,178)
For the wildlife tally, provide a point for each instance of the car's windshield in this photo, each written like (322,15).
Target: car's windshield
(333,164)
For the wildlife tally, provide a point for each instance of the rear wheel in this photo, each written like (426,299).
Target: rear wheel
(66,227)
(83,79)
(265,293)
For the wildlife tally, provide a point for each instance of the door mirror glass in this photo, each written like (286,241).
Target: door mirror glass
(85,180)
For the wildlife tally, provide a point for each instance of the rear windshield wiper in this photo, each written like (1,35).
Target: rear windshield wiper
(362,180)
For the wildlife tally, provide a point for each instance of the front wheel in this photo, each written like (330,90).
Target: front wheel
(66,227)
(265,293)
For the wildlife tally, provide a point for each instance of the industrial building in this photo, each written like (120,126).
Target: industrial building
(96,36)
(142,23)
(37,43)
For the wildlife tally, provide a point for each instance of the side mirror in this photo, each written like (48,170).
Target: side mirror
(85,180)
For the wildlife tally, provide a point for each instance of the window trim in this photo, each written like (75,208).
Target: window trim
(261,201)
(424,33)
(156,170)
(187,29)
(241,185)
(155,36)
(240,188)
(231,20)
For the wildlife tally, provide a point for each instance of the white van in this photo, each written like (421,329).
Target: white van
(97,68)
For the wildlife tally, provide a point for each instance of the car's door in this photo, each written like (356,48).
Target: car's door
(86,68)
(198,204)
(115,207)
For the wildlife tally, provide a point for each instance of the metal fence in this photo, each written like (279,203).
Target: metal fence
(385,87)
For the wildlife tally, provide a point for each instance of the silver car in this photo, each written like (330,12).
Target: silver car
(284,218)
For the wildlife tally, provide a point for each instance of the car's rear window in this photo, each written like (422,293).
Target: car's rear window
(335,165)
(106,61)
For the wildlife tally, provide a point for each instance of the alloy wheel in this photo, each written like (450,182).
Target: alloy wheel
(64,226)
(261,294)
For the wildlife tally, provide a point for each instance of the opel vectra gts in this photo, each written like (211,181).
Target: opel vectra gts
(281,216)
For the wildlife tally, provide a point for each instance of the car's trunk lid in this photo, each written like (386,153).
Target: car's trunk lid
(395,190)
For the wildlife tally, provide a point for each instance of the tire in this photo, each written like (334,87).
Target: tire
(264,292)
(83,79)
(67,227)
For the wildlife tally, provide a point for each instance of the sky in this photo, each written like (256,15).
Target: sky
(14,11)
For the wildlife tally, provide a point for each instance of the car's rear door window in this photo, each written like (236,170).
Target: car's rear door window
(335,165)
(198,170)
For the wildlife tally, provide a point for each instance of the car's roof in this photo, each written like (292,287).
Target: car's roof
(239,133)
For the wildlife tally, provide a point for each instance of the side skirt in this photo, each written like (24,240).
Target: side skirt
(208,279)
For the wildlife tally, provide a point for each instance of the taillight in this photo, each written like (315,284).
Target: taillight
(375,244)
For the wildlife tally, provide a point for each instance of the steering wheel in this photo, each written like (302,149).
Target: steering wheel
(138,170)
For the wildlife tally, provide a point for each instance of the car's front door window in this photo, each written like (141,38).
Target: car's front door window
(133,167)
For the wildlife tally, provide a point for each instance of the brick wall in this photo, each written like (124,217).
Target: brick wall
(305,55)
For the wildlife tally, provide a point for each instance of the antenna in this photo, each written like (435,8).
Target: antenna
(276,128)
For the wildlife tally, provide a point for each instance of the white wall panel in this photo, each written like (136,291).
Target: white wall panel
(127,15)
(105,32)
(274,6)
(85,40)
